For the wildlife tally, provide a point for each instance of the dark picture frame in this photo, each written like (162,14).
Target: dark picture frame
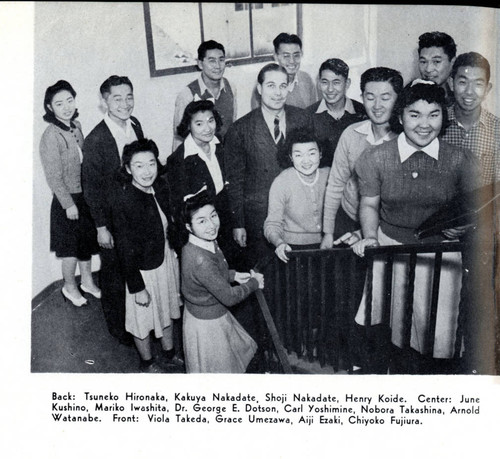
(166,55)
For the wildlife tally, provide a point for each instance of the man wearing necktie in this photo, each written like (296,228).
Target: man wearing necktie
(251,146)
(250,149)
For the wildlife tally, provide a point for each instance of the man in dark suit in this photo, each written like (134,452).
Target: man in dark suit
(250,153)
(250,150)
(102,152)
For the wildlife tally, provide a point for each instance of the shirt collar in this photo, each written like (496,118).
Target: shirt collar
(207,245)
(365,128)
(452,116)
(406,150)
(294,83)
(192,149)
(203,86)
(348,107)
(115,128)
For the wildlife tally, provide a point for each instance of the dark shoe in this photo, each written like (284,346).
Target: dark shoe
(153,367)
(175,360)
(75,301)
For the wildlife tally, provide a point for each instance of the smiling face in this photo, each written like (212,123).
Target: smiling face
(333,88)
(273,90)
(144,169)
(470,88)
(379,98)
(305,158)
(63,106)
(213,64)
(120,102)
(289,56)
(202,127)
(435,65)
(205,223)
(422,123)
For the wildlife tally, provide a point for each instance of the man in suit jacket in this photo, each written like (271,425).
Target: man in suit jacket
(102,150)
(250,152)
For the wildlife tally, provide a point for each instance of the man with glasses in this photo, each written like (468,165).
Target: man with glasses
(301,88)
(210,85)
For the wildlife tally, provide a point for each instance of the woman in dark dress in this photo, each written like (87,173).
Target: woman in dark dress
(73,236)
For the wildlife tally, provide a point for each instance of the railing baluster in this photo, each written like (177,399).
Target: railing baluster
(321,335)
(386,314)
(431,332)
(311,307)
(299,335)
(408,307)
(288,308)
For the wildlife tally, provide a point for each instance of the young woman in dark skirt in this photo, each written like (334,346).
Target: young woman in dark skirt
(72,232)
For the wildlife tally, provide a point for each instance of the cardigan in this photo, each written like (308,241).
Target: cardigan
(251,166)
(138,229)
(189,175)
(101,161)
(206,283)
(295,214)
(410,192)
(60,155)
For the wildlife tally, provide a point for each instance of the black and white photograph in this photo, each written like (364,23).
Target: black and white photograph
(238,215)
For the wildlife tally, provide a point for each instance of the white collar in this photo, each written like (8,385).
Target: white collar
(348,107)
(295,81)
(207,245)
(365,128)
(114,127)
(203,86)
(192,149)
(406,150)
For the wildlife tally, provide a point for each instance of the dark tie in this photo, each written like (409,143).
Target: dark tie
(277,131)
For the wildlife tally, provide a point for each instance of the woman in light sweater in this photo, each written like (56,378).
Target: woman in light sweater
(73,236)
(214,341)
(295,211)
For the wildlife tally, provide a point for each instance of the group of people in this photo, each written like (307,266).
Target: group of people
(307,167)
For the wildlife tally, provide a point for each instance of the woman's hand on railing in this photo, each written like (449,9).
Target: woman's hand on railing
(455,233)
(327,241)
(281,251)
(242,278)
(259,277)
(360,246)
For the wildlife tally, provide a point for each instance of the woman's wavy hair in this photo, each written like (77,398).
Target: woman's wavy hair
(138,146)
(191,109)
(50,92)
(298,135)
(413,92)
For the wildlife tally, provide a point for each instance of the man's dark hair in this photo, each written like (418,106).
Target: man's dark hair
(272,67)
(207,46)
(286,39)
(438,40)
(471,59)
(337,66)
(114,80)
(382,74)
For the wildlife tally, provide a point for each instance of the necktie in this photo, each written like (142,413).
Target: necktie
(277,131)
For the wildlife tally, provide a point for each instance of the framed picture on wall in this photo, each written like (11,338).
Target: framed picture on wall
(175,30)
